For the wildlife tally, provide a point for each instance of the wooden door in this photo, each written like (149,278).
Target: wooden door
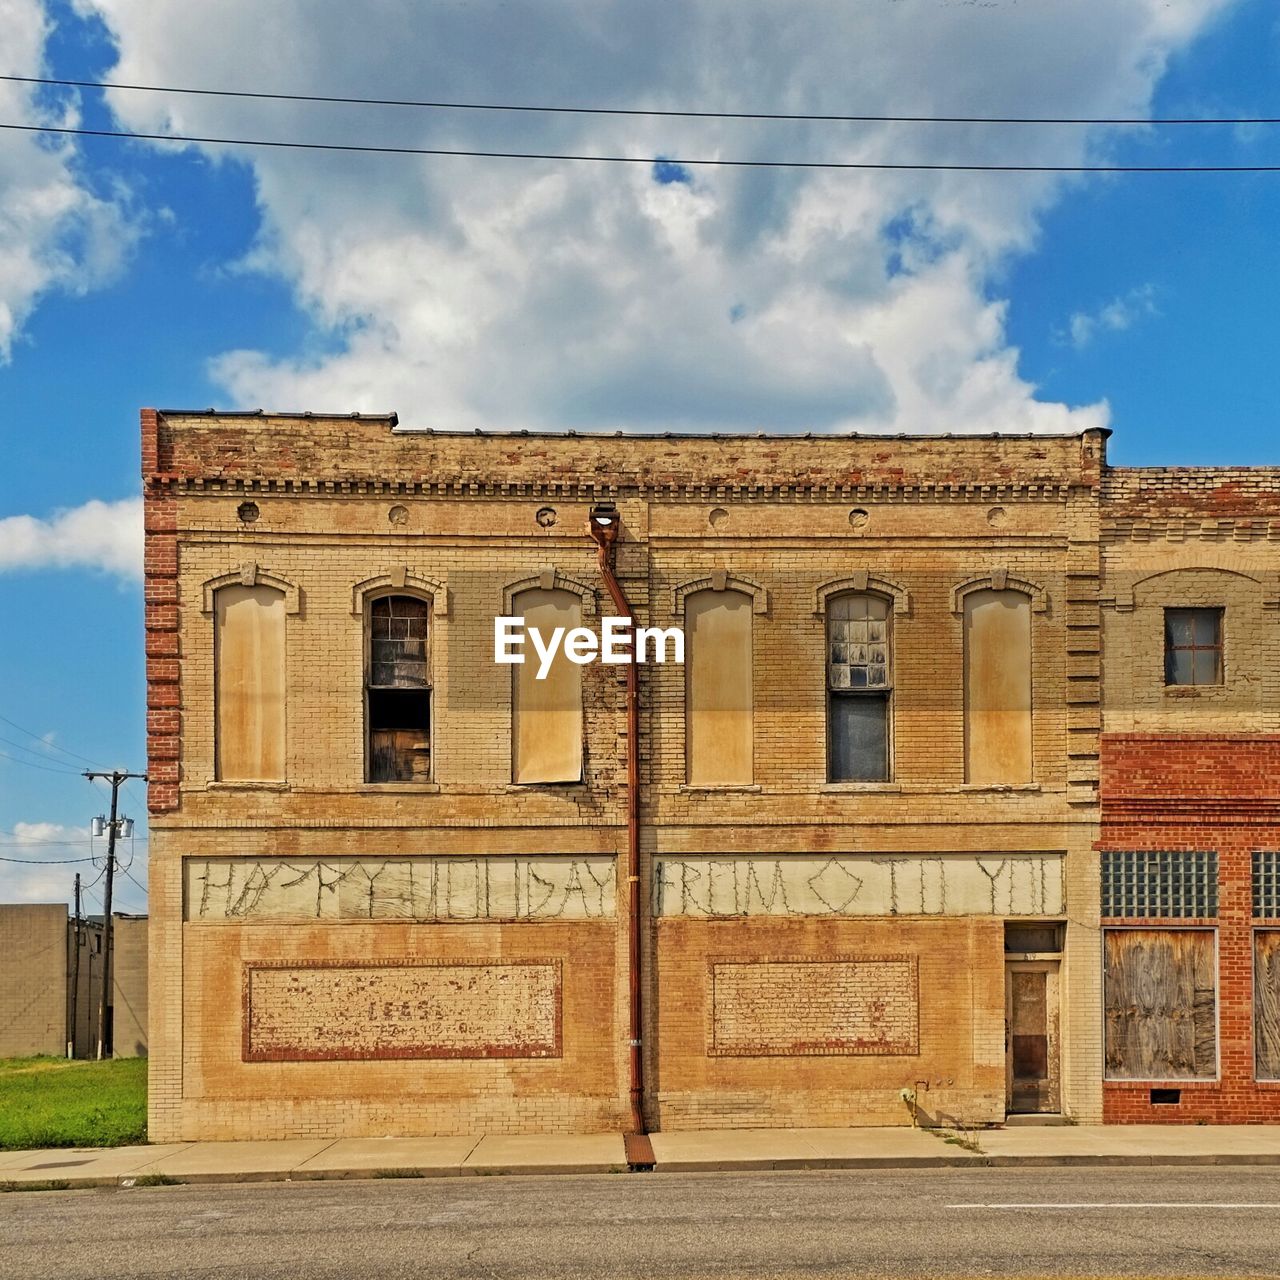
(1031,1038)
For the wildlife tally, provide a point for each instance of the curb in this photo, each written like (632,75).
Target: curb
(759,1165)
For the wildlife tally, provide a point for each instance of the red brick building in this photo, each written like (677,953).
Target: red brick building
(1190,803)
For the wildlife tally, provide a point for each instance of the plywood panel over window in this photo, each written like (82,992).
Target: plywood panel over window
(249,689)
(718,694)
(1266,1003)
(1161,1003)
(546,715)
(997,693)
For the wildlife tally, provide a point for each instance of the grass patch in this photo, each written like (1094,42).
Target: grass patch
(397,1173)
(57,1184)
(50,1102)
(156,1180)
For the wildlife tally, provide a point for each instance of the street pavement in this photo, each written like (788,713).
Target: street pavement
(1137,1221)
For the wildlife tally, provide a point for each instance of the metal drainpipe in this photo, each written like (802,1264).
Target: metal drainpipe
(603,527)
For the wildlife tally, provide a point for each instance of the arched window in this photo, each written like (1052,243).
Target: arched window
(398,690)
(997,687)
(546,715)
(718,688)
(859,686)
(249,683)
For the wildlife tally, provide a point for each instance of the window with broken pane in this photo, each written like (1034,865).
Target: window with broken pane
(859,687)
(1192,646)
(398,690)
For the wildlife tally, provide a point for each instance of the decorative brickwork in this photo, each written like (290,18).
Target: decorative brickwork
(785,1008)
(345,505)
(339,1013)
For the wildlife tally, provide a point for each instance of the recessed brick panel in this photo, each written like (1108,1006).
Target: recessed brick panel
(302,1013)
(782,1008)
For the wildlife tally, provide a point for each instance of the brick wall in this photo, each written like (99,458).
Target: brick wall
(1200,793)
(347,505)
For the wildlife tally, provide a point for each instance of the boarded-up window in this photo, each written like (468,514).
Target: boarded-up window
(398,690)
(718,695)
(997,687)
(546,715)
(249,694)
(1266,1003)
(859,687)
(1161,1002)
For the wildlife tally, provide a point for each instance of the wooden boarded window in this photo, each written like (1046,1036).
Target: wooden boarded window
(1266,1003)
(1161,1004)
(546,715)
(249,684)
(718,689)
(997,687)
(859,687)
(398,690)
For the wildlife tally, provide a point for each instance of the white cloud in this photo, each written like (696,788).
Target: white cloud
(1121,313)
(505,294)
(106,536)
(36,866)
(55,233)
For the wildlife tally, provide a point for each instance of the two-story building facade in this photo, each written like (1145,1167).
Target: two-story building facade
(837,867)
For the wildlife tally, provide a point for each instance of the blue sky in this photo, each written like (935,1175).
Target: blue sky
(470,293)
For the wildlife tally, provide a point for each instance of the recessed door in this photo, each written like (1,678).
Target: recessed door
(1031,1038)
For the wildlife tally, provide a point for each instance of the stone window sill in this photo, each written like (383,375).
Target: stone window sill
(552,788)
(859,788)
(399,788)
(1000,788)
(729,788)
(213,785)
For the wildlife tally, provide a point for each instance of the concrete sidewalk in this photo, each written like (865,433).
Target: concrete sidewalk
(711,1149)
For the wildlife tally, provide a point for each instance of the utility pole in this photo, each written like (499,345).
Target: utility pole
(117,777)
(75,978)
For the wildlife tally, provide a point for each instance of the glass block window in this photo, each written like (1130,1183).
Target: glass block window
(1172,885)
(1266,884)
(1192,646)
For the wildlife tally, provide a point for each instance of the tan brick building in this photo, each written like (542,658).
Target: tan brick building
(390,878)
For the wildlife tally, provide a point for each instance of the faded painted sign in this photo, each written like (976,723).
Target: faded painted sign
(302,1013)
(417,888)
(785,1008)
(860,885)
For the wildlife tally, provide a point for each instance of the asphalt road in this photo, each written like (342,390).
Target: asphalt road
(943,1222)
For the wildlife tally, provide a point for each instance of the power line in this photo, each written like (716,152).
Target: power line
(863,165)
(40,755)
(657,112)
(70,773)
(52,746)
(126,872)
(47,862)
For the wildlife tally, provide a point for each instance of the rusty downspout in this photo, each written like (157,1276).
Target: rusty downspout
(603,527)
